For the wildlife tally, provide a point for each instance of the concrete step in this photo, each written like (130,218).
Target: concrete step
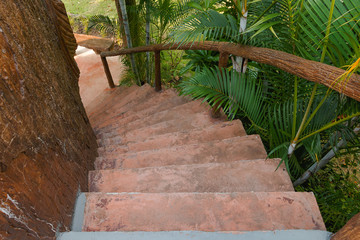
(126,104)
(197,235)
(106,99)
(121,103)
(197,120)
(227,150)
(215,132)
(241,176)
(182,111)
(158,103)
(201,212)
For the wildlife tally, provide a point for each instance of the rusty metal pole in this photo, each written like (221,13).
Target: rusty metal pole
(107,72)
(223,61)
(157,71)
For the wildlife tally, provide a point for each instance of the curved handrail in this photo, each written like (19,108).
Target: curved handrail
(307,69)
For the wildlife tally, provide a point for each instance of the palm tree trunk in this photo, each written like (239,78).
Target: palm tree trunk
(240,64)
(148,74)
(121,23)
(128,38)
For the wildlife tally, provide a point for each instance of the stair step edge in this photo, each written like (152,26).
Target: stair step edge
(194,164)
(181,135)
(177,101)
(185,106)
(250,211)
(237,176)
(197,235)
(102,137)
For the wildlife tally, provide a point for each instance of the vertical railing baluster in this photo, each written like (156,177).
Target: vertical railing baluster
(223,61)
(157,71)
(107,72)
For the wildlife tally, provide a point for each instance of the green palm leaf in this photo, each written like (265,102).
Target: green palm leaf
(235,93)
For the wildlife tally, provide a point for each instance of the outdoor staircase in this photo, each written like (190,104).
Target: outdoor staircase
(168,170)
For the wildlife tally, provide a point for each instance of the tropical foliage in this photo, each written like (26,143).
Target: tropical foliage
(336,188)
(106,26)
(303,123)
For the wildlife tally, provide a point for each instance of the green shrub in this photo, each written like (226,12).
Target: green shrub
(337,192)
(78,23)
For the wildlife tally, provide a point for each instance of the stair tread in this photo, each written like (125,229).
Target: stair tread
(197,235)
(177,111)
(122,103)
(197,120)
(225,150)
(214,132)
(159,102)
(241,176)
(106,98)
(166,165)
(201,211)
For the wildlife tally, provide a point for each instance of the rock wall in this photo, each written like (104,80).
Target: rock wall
(46,143)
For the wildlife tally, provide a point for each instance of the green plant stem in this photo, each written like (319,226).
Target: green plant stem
(328,27)
(296,77)
(306,114)
(295,106)
(299,18)
(329,126)
(266,10)
(317,108)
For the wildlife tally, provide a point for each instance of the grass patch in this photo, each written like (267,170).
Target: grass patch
(92,7)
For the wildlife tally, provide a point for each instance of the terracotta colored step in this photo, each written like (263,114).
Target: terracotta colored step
(105,99)
(214,132)
(110,100)
(227,150)
(126,103)
(201,211)
(198,120)
(181,111)
(158,103)
(241,176)
(122,104)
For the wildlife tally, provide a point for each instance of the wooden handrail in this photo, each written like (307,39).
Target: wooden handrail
(351,230)
(310,70)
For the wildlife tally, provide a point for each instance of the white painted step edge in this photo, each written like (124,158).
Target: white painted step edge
(194,235)
(78,217)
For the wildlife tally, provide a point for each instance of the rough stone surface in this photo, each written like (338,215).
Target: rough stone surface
(98,44)
(46,143)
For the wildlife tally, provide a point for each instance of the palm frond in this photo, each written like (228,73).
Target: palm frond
(104,24)
(210,25)
(344,37)
(234,93)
